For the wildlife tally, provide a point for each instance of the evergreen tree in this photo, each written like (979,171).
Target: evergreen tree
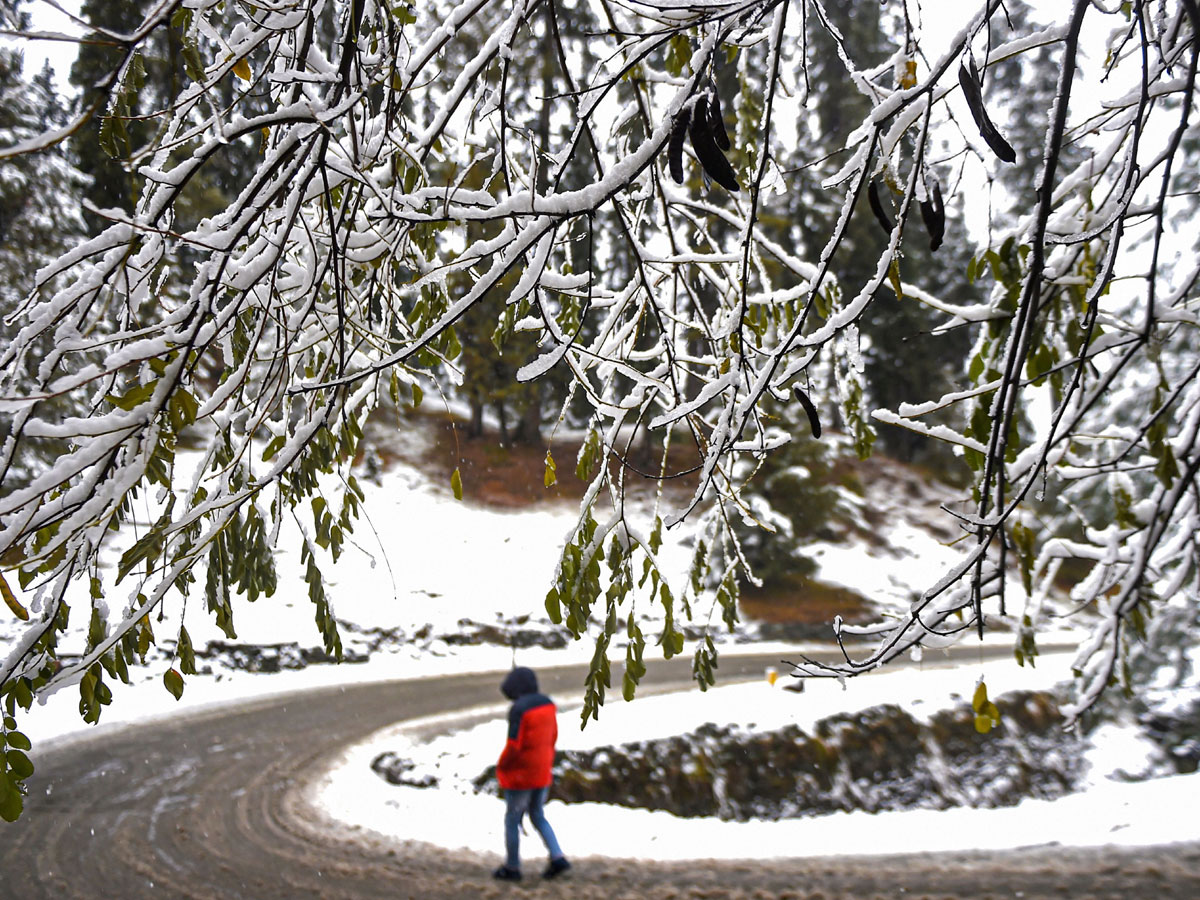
(105,148)
(39,219)
(95,148)
(902,355)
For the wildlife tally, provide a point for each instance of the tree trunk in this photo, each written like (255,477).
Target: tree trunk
(475,429)
(502,414)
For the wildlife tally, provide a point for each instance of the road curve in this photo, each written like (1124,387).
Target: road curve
(208,806)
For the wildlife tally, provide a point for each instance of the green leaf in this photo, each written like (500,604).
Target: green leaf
(174,683)
(136,395)
(187,654)
(193,64)
(1024,541)
(107,139)
(273,446)
(135,75)
(550,476)
(453,347)
(456,484)
(679,54)
(628,687)
(553,606)
(11,799)
(19,764)
(1167,469)
(23,694)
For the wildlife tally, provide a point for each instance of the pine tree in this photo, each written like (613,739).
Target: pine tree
(39,216)
(903,359)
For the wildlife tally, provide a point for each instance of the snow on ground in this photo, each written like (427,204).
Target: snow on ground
(425,568)
(1109,811)
(426,563)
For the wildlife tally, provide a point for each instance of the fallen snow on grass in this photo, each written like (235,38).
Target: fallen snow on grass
(455,749)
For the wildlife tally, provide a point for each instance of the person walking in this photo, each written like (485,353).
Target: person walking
(524,771)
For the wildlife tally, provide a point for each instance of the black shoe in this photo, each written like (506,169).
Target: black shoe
(504,873)
(556,867)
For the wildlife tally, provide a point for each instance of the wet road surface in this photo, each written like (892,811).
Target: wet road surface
(209,805)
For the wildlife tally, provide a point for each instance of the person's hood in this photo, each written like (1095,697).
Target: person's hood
(519,682)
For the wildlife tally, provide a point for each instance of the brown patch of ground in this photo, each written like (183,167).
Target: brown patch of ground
(513,475)
(804,602)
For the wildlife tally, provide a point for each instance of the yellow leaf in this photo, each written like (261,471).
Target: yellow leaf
(908,78)
(551,475)
(894,279)
(456,484)
(10,600)
(241,69)
(987,714)
(980,698)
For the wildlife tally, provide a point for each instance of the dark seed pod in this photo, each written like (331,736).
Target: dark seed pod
(679,131)
(809,409)
(881,216)
(717,121)
(709,154)
(973,91)
(933,214)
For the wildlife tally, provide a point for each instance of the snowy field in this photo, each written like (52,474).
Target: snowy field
(422,572)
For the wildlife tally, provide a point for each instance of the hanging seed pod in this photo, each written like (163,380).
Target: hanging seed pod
(717,121)
(933,214)
(709,154)
(679,131)
(876,202)
(973,91)
(809,409)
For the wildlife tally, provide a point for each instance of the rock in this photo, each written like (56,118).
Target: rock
(396,770)
(271,657)
(878,759)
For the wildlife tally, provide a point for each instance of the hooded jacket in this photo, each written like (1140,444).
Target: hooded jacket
(528,756)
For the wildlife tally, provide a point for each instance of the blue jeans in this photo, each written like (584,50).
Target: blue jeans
(516,805)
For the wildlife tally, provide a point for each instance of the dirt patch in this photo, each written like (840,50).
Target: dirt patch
(805,601)
(513,475)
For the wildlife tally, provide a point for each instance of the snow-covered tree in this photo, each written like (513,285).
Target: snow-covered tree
(39,219)
(334,277)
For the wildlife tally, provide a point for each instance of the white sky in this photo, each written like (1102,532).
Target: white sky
(61,54)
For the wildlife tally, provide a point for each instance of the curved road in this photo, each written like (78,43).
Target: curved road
(207,806)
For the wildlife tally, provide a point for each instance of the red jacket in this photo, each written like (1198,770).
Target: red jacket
(528,756)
